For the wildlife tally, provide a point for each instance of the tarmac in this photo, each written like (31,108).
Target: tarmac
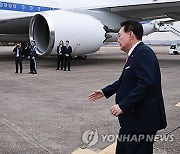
(50,112)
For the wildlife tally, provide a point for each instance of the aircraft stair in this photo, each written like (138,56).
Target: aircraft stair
(162,26)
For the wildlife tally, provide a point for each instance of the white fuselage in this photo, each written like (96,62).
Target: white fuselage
(63,20)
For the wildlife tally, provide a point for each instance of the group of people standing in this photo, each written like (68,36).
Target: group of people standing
(63,55)
(18,50)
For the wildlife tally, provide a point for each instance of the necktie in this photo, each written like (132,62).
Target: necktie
(127,58)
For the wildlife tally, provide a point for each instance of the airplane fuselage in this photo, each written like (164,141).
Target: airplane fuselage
(84,23)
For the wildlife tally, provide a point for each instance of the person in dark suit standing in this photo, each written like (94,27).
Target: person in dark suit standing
(60,55)
(67,55)
(18,56)
(139,100)
(32,57)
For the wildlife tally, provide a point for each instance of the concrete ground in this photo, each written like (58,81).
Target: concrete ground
(50,112)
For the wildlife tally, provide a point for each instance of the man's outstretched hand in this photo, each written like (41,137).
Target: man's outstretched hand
(97,94)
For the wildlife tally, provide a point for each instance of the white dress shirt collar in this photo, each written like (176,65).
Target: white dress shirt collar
(131,50)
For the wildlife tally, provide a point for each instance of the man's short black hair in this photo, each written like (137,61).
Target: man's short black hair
(67,41)
(134,26)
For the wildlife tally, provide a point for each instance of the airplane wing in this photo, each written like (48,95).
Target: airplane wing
(144,11)
(6,17)
(15,27)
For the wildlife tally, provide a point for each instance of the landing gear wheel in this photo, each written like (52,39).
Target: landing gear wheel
(82,57)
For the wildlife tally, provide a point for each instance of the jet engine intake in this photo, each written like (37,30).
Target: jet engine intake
(85,33)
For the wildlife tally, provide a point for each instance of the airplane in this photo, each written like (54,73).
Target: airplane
(87,24)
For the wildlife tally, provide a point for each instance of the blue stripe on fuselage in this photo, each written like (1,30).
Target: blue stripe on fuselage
(23,7)
(146,21)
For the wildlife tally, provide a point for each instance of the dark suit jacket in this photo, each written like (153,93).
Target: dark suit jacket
(68,50)
(63,50)
(139,94)
(32,51)
(20,52)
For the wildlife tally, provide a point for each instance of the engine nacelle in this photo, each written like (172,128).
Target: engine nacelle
(85,33)
(148,27)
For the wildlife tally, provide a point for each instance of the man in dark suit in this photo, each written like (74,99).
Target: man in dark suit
(32,57)
(67,55)
(18,56)
(60,55)
(139,101)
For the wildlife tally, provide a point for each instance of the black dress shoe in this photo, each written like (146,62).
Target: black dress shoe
(30,72)
(16,72)
(57,69)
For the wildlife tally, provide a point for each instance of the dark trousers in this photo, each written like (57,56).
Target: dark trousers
(133,143)
(18,61)
(59,61)
(62,62)
(67,62)
(33,66)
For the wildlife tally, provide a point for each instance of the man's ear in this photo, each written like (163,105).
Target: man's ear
(131,35)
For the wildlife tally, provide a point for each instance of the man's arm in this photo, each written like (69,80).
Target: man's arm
(111,89)
(57,50)
(21,52)
(97,94)
(14,50)
(70,49)
(107,91)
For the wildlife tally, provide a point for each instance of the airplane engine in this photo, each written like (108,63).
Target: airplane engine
(149,27)
(85,33)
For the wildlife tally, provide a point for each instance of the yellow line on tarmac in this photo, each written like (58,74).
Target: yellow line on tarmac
(178,104)
(84,151)
(109,150)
